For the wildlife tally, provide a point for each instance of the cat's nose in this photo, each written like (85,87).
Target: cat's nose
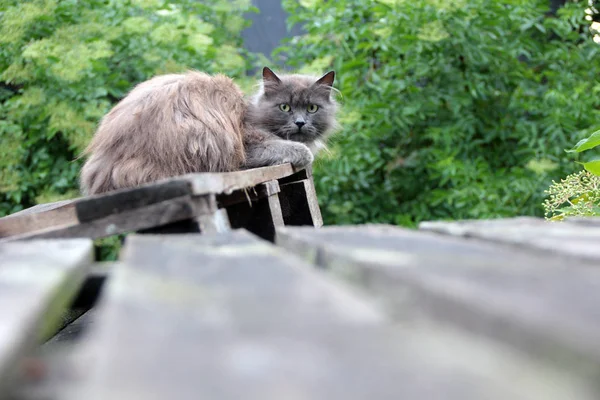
(300,122)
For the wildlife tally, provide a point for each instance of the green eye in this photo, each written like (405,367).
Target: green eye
(284,107)
(312,108)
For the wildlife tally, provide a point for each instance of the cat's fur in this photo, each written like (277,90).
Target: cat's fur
(182,123)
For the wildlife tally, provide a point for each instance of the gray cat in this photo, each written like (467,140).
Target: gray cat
(181,123)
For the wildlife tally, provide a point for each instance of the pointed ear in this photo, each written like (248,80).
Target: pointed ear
(269,76)
(327,79)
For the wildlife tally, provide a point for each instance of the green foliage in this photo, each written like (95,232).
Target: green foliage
(579,193)
(586,144)
(592,165)
(108,248)
(64,63)
(454,109)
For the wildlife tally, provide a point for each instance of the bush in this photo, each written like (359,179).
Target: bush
(64,63)
(455,109)
(578,195)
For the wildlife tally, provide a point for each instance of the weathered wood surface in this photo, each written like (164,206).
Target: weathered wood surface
(85,216)
(228,182)
(74,331)
(21,222)
(576,238)
(99,206)
(541,305)
(40,208)
(587,221)
(302,174)
(214,223)
(230,317)
(37,281)
(256,209)
(176,209)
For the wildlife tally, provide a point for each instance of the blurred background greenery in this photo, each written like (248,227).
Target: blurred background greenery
(451,109)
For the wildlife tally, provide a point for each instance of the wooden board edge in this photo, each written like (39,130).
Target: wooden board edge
(22,224)
(41,208)
(172,210)
(47,319)
(226,183)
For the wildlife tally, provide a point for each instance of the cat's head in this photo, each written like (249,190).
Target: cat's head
(296,107)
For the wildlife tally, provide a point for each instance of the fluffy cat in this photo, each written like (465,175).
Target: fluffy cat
(182,123)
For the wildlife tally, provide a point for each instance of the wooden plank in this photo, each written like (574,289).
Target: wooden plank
(154,215)
(74,331)
(68,214)
(230,317)
(183,226)
(243,208)
(217,222)
(88,209)
(210,221)
(37,281)
(586,221)
(541,305)
(570,239)
(228,182)
(40,208)
(299,204)
(200,184)
(298,176)
(275,211)
(103,205)
(18,224)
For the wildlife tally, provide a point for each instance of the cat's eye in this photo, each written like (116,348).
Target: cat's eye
(312,108)
(284,107)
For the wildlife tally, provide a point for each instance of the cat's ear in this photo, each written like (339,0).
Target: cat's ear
(327,79)
(269,76)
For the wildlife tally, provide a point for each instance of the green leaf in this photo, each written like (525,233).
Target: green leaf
(593,167)
(585,144)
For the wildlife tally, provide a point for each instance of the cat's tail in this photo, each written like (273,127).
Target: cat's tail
(95,178)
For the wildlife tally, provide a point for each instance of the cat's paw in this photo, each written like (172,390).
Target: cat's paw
(299,155)
(276,152)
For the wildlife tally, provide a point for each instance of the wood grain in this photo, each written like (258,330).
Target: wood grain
(43,208)
(575,239)
(157,214)
(37,281)
(541,305)
(95,207)
(298,176)
(226,183)
(19,224)
(231,317)
(63,216)
(214,223)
